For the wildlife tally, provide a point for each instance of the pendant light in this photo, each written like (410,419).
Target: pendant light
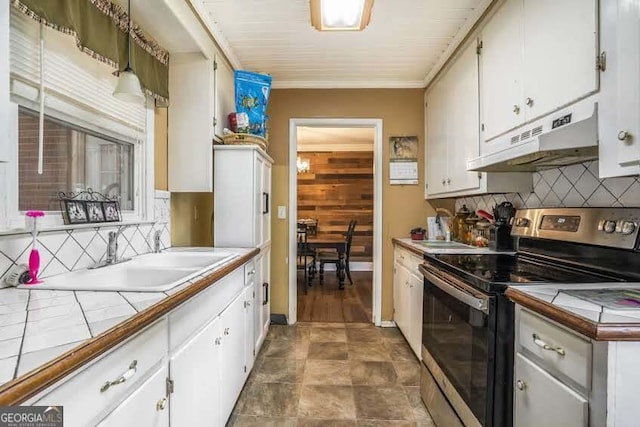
(128,88)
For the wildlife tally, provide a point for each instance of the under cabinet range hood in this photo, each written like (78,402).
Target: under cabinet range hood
(565,138)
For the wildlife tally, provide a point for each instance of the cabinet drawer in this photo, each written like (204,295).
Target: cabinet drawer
(189,317)
(249,273)
(408,260)
(81,393)
(541,400)
(556,348)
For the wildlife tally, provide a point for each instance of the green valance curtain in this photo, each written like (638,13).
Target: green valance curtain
(100,29)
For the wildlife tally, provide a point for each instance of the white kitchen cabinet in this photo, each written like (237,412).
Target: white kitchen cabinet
(195,373)
(407,297)
(249,297)
(502,61)
(232,354)
(191,123)
(542,400)
(4,82)
(453,135)
(225,99)
(262,289)
(147,406)
(619,124)
(537,56)
(242,196)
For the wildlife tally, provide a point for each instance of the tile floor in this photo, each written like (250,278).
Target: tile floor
(333,374)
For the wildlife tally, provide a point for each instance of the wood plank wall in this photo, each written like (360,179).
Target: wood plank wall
(338,188)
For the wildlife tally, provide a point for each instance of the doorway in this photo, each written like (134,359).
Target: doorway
(335,177)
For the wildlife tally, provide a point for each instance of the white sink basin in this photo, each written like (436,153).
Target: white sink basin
(145,273)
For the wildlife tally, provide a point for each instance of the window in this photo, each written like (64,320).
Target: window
(74,159)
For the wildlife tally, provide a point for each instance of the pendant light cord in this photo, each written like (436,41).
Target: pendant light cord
(128,37)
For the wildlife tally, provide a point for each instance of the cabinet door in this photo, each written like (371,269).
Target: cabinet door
(249,326)
(258,334)
(436,142)
(401,299)
(225,94)
(266,202)
(628,85)
(258,167)
(542,400)
(4,83)
(232,367)
(502,60)
(416,289)
(463,128)
(265,301)
(560,47)
(147,406)
(195,373)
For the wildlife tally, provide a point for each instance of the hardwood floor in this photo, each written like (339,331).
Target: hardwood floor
(326,303)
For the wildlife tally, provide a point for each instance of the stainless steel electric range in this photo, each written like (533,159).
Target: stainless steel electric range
(468,323)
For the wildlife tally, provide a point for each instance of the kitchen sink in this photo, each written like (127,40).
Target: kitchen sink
(145,273)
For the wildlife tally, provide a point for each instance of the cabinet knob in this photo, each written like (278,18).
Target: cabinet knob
(226,331)
(444,181)
(162,404)
(218,341)
(521,385)
(623,135)
(248,303)
(516,109)
(529,102)
(448,180)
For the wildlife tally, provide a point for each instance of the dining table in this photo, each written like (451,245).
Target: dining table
(339,245)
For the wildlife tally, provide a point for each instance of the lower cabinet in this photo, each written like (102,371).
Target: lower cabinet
(262,302)
(407,297)
(186,369)
(542,400)
(195,368)
(148,405)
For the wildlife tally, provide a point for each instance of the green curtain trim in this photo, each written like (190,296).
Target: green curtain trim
(100,29)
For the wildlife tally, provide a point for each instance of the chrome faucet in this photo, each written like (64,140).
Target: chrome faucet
(156,242)
(112,246)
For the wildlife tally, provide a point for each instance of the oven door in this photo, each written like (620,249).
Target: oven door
(458,340)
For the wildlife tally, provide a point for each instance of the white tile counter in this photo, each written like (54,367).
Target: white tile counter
(37,326)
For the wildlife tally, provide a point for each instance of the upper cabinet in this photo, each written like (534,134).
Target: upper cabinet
(619,124)
(453,135)
(537,56)
(202,95)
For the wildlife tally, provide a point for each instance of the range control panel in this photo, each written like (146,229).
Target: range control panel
(613,227)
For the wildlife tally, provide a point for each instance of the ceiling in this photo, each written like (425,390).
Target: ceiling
(335,139)
(405,44)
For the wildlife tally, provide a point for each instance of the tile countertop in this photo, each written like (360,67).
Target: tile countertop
(38,325)
(586,317)
(415,247)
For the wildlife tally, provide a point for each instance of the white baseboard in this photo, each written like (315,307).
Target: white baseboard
(353,266)
(388,324)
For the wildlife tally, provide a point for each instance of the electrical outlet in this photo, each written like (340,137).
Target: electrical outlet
(282,212)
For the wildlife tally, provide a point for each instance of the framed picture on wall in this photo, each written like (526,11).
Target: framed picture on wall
(111,211)
(75,212)
(95,212)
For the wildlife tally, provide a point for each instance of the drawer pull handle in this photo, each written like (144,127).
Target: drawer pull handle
(521,385)
(540,343)
(133,367)
(162,404)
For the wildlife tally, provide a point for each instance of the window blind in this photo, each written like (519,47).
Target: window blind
(76,86)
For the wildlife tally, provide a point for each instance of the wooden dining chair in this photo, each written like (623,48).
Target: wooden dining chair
(305,260)
(333,256)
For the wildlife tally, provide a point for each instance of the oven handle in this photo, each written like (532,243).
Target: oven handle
(474,300)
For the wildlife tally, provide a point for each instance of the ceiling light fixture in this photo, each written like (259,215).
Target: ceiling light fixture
(128,88)
(340,15)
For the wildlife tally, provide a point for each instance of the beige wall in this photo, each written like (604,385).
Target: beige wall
(160,148)
(404,207)
(191,219)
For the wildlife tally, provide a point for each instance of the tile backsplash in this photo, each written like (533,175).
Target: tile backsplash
(68,250)
(569,186)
